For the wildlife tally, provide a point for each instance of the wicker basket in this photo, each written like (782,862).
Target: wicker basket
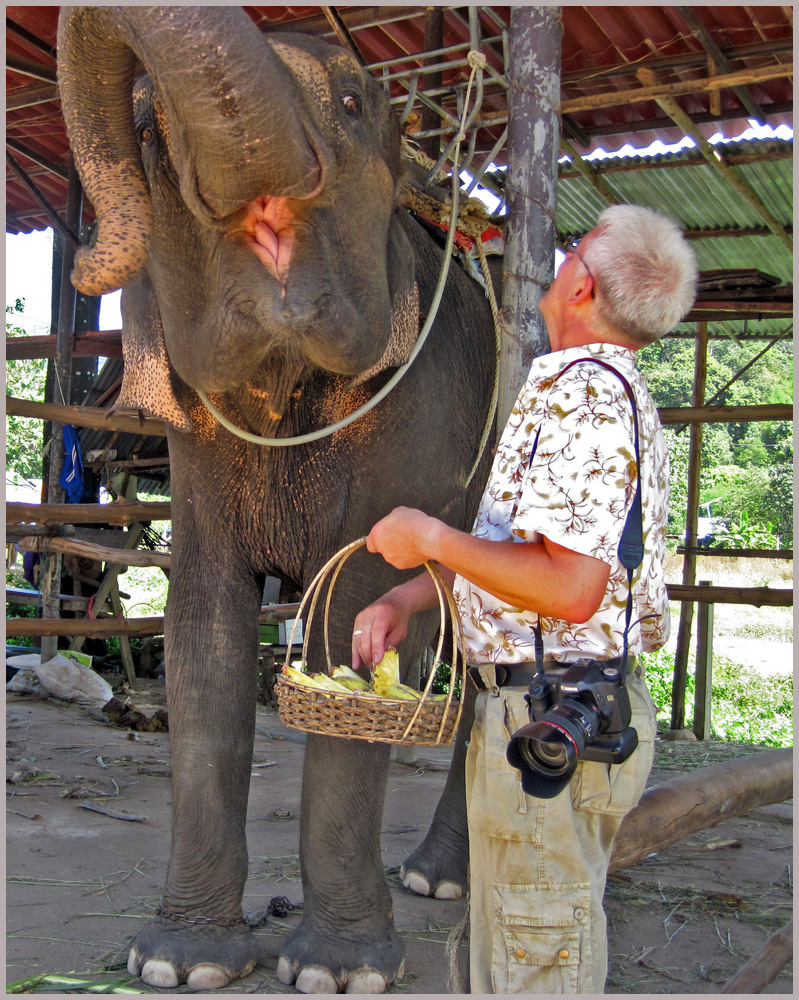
(365,716)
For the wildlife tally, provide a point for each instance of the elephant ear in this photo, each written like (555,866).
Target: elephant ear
(148,379)
(404,305)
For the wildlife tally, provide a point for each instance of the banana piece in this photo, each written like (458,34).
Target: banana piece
(386,672)
(346,676)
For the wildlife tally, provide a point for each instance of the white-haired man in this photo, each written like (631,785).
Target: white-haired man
(544,553)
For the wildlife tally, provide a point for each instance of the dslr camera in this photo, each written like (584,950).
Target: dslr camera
(582,713)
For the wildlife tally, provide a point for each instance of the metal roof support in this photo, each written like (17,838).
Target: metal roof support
(533,74)
(342,33)
(713,157)
(433,39)
(55,219)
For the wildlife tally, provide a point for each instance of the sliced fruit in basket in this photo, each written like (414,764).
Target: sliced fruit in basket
(347,676)
(386,673)
(318,682)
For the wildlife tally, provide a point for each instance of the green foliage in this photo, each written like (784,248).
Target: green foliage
(741,534)
(746,467)
(14,578)
(745,705)
(440,683)
(25,380)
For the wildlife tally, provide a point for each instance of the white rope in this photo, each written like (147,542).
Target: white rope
(382,393)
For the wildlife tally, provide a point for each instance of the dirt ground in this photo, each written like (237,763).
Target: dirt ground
(81,882)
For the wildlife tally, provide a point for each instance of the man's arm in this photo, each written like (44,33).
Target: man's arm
(542,577)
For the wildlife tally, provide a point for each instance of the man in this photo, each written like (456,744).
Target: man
(544,551)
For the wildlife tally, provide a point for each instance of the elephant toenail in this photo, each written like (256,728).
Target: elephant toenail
(207,977)
(286,972)
(316,979)
(159,973)
(416,883)
(366,981)
(448,890)
(134,965)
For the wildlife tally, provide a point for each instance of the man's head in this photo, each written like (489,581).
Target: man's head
(630,281)
(644,272)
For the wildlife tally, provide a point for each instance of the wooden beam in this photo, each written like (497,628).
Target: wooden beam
(91,628)
(764,966)
(97,553)
(86,416)
(654,92)
(770,597)
(670,811)
(94,343)
(34,93)
(741,553)
(724,414)
(121,512)
(713,157)
(588,172)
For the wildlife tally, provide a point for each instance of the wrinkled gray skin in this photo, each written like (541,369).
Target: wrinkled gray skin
(279,324)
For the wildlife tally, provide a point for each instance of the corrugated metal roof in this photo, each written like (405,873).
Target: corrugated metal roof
(686,187)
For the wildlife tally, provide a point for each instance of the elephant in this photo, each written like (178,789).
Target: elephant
(246,193)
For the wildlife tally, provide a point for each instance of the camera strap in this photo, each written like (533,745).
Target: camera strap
(631,543)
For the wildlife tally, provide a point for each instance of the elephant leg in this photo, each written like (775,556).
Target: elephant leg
(346,941)
(440,864)
(199,936)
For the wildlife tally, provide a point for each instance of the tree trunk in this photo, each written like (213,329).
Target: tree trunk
(699,800)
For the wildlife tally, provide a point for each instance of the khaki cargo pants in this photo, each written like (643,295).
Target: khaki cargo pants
(538,866)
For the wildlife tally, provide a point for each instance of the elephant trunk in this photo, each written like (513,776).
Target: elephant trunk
(227,105)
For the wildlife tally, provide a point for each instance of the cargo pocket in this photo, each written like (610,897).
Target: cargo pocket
(616,788)
(497,805)
(541,939)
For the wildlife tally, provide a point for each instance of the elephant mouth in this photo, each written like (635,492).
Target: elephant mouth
(269,227)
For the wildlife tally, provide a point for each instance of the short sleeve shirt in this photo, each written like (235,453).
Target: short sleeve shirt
(575,490)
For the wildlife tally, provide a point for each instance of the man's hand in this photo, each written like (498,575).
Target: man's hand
(378,626)
(404,537)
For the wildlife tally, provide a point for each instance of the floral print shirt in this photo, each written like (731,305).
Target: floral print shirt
(576,490)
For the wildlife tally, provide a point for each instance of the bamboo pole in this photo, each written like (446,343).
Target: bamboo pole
(86,416)
(121,513)
(764,967)
(680,679)
(699,800)
(93,343)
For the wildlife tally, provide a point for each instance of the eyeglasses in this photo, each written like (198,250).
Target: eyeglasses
(570,246)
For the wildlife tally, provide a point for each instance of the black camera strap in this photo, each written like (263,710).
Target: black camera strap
(631,543)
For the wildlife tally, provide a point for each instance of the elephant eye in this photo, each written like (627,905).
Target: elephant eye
(352,104)
(146,134)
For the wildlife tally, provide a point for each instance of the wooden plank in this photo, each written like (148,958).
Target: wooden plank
(740,553)
(97,553)
(769,597)
(69,602)
(86,416)
(616,98)
(121,512)
(96,628)
(94,343)
(724,414)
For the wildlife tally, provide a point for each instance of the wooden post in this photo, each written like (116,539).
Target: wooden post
(704,667)
(533,75)
(680,679)
(764,967)
(51,579)
(433,39)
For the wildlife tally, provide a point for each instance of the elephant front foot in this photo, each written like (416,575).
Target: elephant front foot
(314,963)
(437,869)
(204,956)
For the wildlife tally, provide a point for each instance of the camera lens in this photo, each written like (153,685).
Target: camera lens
(548,756)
